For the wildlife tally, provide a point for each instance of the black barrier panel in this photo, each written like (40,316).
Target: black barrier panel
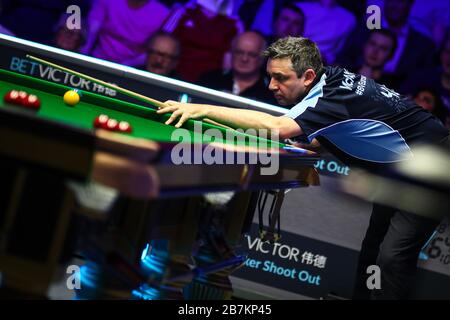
(321,270)
(299,265)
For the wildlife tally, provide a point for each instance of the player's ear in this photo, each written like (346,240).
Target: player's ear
(309,75)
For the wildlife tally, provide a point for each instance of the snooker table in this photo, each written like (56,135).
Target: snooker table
(44,152)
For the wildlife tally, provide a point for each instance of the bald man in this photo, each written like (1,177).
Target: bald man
(245,78)
(163,52)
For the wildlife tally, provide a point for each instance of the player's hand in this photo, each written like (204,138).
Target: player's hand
(183,111)
(313,146)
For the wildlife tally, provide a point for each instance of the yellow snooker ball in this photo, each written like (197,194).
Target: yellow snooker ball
(71,98)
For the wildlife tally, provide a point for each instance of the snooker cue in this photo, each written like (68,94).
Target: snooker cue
(124,91)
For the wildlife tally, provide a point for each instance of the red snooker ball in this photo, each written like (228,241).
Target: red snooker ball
(124,127)
(101,121)
(33,102)
(11,97)
(112,125)
(23,98)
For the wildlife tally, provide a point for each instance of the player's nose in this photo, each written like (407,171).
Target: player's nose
(273,86)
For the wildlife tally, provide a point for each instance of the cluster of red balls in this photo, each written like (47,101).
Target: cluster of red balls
(105,122)
(22,98)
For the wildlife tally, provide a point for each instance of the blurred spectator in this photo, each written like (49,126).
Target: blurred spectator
(289,21)
(378,50)
(246,77)
(438,78)
(397,14)
(328,25)
(205,29)
(67,39)
(430,100)
(430,17)
(246,10)
(163,53)
(414,50)
(119,31)
(35,19)
(255,14)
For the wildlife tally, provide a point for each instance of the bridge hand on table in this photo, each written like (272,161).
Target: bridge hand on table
(183,111)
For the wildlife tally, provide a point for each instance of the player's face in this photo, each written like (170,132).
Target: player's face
(162,56)
(286,86)
(288,23)
(377,50)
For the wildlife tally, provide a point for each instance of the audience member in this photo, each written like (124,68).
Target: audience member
(289,21)
(119,32)
(247,10)
(377,51)
(414,50)
(432,18)
(328,25)
(438,78)
(256,13)
(246,77)
(205,29)
(163,53)
(69,39)
(430,100)
(35,19)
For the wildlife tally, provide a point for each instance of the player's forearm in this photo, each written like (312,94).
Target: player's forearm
(243,119)
(284,127)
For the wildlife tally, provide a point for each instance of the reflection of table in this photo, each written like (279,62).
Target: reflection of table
(158,200)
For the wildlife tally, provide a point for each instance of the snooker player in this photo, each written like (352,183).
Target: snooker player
(359,121)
